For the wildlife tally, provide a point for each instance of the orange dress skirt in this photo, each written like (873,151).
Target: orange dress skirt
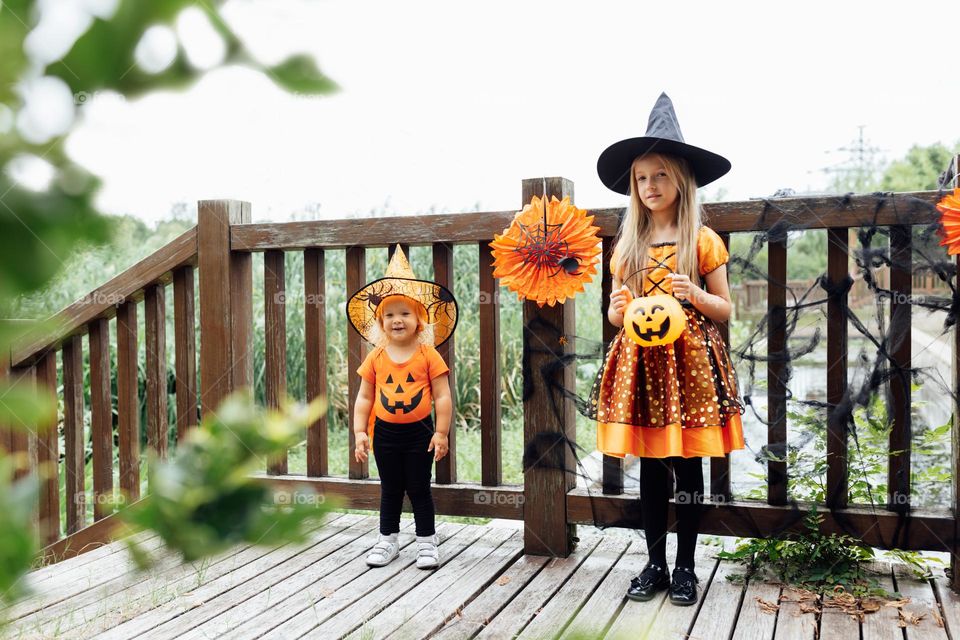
(672,400)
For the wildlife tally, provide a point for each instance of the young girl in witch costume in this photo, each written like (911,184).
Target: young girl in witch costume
(671,404)
(401,378)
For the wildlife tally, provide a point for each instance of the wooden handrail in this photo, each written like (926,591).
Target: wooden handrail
(102,302)
(819,212)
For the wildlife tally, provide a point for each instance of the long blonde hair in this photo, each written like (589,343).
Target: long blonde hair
(633,238)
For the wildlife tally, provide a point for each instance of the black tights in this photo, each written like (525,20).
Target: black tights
(656,487)
(405,466)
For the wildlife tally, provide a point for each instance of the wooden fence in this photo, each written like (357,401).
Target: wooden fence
(219,250)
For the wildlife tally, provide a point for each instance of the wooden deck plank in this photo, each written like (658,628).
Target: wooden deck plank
(837,624)
(334,602)
(675,622)
(635,618)
(48,571)
(138,592)
(884,624)
(755,622)
(604,604)
(299,591)
(201,622)
(250,564)
(405,595)
(425,609)
(949,604)
(792,622)
(466,623)
(511,620)
(923,607)
(720,606)
(569,600)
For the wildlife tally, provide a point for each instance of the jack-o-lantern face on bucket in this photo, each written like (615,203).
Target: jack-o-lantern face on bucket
(651,321)
(399,400)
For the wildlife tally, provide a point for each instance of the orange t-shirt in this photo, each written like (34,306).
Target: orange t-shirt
(402,392)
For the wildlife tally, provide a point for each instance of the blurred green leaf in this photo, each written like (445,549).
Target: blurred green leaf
(299,74)
(17,539)
(23,408)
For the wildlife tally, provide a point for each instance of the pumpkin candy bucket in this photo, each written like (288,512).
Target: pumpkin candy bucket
(653,321)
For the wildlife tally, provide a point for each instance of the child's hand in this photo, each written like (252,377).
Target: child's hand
(362,446)
(620,298)
(439,445)
(684,289)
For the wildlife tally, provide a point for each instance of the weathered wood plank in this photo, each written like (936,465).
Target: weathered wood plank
(73,434)
(901,432)
(548,417)
(55,567)
(838,271)
(923,611)
(175,579)
(370,593)
(446,472)
(491,437)
(467,622)
(777,370)
(929,530)
(516,615)
(155,311)
(949,605)
(48,452)
(356,351)
(275,332)
(565,603)
(185,350)
(604,604)
(102,302)
(426,606)
(819,212)
(312,605)
(128,402)
(720,605)
(884,624)
(792,622)
(101,417)
(241,305)
(315,330)
(299,590)
(755,622)
(675,622)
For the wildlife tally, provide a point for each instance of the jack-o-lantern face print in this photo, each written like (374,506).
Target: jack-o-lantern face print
(399,401)
(651,321)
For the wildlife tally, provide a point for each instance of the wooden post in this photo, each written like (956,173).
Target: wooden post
(446,469)
(48,452)
(901,432)
(185,350)
(315,331)
(356,351)
(73,436)
(101,417)
(224,299)
(128,401)
(720,466)
(838,269)
(548,335)
(777,369)
(275,338)
(612,470)
(155,310)
(491,466)
(954,570)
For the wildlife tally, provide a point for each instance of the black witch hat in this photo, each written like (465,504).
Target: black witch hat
(663,136)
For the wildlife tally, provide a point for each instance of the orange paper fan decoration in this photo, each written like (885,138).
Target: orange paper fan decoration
(949,208)
(548,253)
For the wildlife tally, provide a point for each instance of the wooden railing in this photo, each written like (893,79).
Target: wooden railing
(221,247)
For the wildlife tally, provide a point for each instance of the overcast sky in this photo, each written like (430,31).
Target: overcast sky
(446,105)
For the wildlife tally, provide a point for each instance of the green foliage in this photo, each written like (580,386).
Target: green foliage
(18,543)
(204,500)
(810,559)
(920,169)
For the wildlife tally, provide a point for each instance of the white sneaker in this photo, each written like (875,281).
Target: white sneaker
(428,556)
(384,551)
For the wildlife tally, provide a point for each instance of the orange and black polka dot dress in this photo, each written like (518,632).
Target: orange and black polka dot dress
(678,399)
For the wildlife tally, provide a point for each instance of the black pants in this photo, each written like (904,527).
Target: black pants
(405,466)
(656,487)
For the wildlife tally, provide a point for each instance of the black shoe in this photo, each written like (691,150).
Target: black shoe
(651,580)
(683,587)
